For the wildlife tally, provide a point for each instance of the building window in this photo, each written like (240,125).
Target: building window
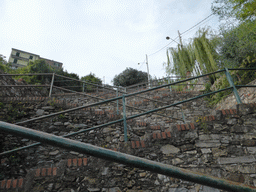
(15,61)
(17,54)
(56,64)
(30,57)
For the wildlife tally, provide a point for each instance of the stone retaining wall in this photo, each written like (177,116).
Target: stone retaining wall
(221,145)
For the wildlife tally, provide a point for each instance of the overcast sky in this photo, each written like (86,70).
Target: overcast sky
(100,36)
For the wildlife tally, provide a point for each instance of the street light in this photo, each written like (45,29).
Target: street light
(171,39)
(147,70)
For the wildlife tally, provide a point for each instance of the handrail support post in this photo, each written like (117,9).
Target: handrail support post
(169,81)
(50,92)
(117,107)
(124,118)
(238,99)
(83,87)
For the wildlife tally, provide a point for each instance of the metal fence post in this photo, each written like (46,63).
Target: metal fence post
(183,116)
(117,107)
(50,93)
(83,87)
(169,81)
(124,118)
(238,99)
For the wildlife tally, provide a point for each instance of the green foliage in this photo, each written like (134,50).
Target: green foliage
(52,102)
(239,9)
(61,116)
(200,50)
(2,60)
(205,53)
(40,66)
(3,63)
(129,77)
(68,84)
(91,78)
(183,59)
(236,44)
(13,112)
(203,124)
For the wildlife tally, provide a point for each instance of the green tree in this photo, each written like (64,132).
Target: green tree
(239,9)
(38,66)
(66,83)
(201,50)
(205,51)
(91,78)
(236,44)
(3,63)
(183,60)
(129,77)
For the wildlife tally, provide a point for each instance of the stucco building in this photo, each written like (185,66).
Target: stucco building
(19,58)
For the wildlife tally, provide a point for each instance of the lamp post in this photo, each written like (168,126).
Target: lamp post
(147,70)
(171,39)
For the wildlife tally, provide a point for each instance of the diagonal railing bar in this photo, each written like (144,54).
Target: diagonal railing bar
(154,81)
(96,85)
(113,99)
(74,109)
(126,159)
(242,69)
(120,120)
(29,74)
(109,101)
(178,103)
(174,83)
(245,85)
(68,135)
(24,85)
(66,111)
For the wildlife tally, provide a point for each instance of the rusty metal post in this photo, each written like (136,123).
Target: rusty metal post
(50,93)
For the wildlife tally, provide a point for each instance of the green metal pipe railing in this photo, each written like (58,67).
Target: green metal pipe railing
(29,74)
(54,114)
(124,119)
(96,85)
(126,159)
(238,100)
(25,86)
(178,103)
(110,123)
(101,102)
(245,86)
(241,69)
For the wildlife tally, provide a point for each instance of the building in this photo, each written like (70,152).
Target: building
(19,58)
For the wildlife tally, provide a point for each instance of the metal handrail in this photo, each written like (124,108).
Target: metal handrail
(132,94)
(126,159)
(106,124)
(28,74)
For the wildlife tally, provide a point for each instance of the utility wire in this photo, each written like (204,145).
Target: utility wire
(196,24)
(173,40)
(163,47)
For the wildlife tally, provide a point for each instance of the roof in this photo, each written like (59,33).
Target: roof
(25,52)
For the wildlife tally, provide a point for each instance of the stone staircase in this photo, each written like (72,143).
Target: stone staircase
(219,143)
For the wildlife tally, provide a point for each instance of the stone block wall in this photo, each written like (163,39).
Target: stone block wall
(221,145)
